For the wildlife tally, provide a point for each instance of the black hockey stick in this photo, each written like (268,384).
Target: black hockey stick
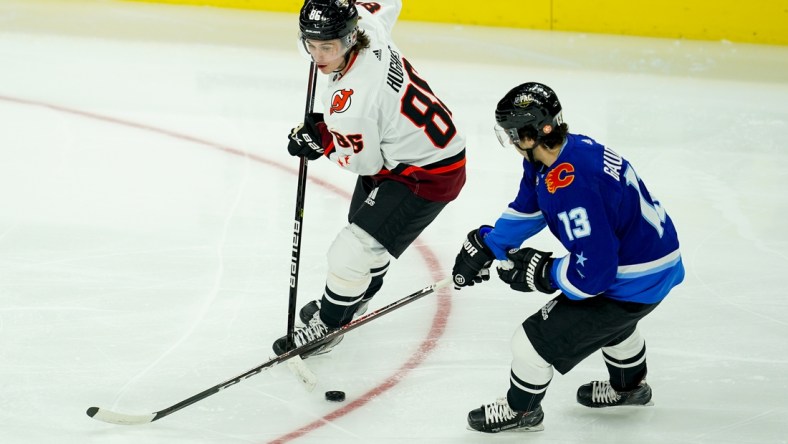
(126,419)
(298,225)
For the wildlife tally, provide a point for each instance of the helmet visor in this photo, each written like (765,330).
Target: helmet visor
(324,49)
(507,136)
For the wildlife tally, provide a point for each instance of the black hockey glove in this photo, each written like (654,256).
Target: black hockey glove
(472,265)
(527,270)
(306,140)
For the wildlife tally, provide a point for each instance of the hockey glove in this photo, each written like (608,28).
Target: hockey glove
(472,265)
(527,270)
(309,138)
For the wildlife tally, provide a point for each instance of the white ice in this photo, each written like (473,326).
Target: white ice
(147,202)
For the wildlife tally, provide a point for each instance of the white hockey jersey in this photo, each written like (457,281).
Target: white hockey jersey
(386,121)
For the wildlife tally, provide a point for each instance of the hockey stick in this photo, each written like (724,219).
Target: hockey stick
(299,214)
(297,365)
(126,419)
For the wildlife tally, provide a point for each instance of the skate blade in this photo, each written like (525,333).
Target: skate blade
(536,428)
(648,404)
(599,407)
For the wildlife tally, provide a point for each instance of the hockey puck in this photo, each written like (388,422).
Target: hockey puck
(335,396)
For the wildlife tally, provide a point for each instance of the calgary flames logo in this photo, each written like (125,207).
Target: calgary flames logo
(340,100)
(559,177)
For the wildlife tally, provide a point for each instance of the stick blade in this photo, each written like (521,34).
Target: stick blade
(298,367)
(119,418)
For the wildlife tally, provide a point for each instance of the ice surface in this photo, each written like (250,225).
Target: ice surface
(146,207)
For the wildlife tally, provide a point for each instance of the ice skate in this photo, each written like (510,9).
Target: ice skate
(498,417)
(312,332)
(308,311)
(602,394)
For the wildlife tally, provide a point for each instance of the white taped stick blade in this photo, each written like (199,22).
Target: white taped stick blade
(298,367)
(119,418)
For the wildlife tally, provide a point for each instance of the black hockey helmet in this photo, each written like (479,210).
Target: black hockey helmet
(531,109)
(329,20)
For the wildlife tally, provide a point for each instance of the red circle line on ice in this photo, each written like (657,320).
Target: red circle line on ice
(433,264)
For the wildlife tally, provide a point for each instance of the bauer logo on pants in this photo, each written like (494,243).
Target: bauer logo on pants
(546,309)
(371,198)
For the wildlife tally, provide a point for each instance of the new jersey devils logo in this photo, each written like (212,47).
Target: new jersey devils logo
(559,177)
(340,100)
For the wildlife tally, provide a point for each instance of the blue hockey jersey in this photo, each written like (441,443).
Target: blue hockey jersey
(621,243)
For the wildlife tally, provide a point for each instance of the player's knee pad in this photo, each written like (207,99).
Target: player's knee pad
(527,364)
(626,349)
(350,258)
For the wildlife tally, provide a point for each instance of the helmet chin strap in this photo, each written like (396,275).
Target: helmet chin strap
(346,57)
(348,52)
(529,154)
